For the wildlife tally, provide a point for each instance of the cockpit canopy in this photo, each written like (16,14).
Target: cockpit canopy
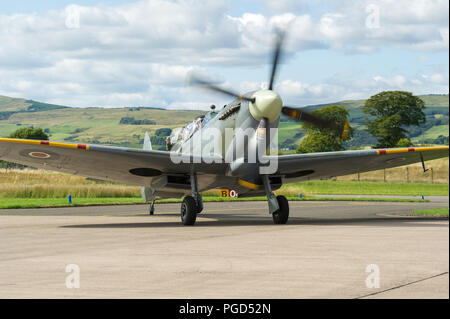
(184,133)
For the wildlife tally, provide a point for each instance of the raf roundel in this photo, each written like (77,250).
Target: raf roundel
(39,155)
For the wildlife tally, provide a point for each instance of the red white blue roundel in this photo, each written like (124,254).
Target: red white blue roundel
(41,155)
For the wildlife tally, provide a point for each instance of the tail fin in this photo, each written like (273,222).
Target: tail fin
(147,142)
(147,192)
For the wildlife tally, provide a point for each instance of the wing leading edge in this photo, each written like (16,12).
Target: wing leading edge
(108,163)
(310,166)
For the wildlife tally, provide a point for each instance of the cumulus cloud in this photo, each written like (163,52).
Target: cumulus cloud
(352,86)
(139,53)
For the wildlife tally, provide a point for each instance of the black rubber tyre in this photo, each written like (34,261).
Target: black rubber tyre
(199,210)
(188,211)
(281,216)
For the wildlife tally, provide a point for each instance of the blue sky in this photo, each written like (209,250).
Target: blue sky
(27,6)
(120,53)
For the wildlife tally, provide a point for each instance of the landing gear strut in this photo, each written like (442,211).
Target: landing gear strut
(278,206)
(192,205)
(152,208)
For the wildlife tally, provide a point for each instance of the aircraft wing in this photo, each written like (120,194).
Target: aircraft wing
(137,167)
(309,166)
(107,163)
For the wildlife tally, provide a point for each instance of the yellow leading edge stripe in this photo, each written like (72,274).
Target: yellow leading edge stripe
(241,182)
(411,149)
(248,184)
(47,143)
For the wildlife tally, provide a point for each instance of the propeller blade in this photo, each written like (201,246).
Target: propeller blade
(346,130)
(300,115)
(208,85)
(276,57)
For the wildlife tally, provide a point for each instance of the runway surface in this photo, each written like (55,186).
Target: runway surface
(234,251)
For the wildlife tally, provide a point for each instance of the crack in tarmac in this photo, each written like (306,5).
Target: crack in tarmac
(403,285)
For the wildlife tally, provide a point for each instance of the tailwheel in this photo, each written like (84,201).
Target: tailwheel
(189,211)
(281,216)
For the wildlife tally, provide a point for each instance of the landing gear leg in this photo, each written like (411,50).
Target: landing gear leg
(271,199)
(152,208)
(278,206)
(198,198)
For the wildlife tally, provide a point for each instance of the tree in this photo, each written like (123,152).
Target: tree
(29,133)
(391,111)
(163,132)
(321,139)
(404,142)
(132,121)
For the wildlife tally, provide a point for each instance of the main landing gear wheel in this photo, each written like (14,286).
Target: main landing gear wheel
(281,216)
(189,211)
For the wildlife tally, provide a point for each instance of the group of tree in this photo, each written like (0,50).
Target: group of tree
(326,139)
(132,121)
(388,115)
(29,133)
(160,137)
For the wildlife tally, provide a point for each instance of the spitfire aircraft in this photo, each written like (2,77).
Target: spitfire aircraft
(241,163)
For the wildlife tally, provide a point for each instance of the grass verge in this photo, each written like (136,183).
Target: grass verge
(438,212)
(364,188)
(10,203)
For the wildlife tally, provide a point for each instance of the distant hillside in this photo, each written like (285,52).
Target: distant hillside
(436,111)
(10,106)
(91,125)
(102,126)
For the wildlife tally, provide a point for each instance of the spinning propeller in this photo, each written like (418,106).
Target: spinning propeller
(266,103)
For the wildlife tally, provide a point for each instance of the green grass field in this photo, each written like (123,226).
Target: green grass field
(364,188)
(12,203)
(436,212)
(289,130)
(39,188)
(46,184)
(435,131)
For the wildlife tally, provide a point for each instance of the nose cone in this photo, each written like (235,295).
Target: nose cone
(267,104)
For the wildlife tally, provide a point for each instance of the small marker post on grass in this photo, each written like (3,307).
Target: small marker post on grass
(70,199)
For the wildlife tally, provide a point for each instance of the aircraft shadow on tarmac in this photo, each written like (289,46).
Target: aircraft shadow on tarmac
(228,220)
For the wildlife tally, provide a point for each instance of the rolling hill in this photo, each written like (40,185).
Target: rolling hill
(102,126)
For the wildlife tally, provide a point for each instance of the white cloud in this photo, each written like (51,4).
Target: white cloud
(139,53)
(354,86)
